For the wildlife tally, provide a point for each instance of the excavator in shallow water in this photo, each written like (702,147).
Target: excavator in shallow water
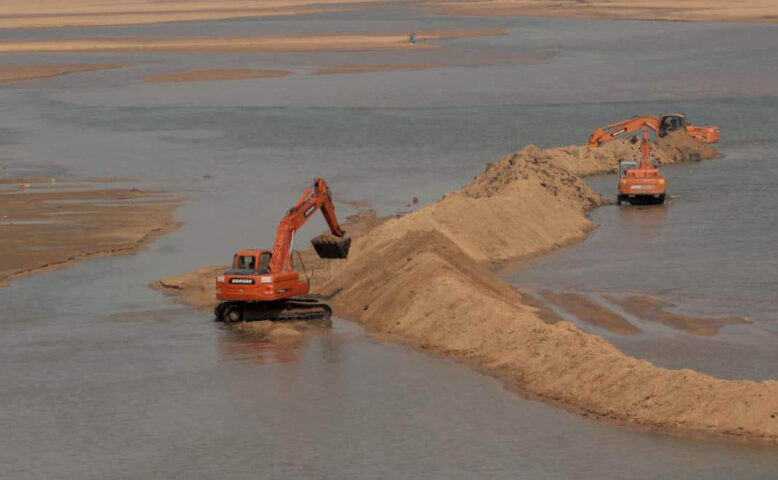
(640,182)
(263,285)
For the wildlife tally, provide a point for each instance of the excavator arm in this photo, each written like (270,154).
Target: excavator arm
(660,125)
(622,129)
(316,197)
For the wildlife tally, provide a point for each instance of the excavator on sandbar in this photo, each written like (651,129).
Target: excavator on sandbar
(640,182)
(263,285)
(661,125)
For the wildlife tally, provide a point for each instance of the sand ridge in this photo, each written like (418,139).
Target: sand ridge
(22,73)
(81,13)
(425,279)
(270,43)
(762,11)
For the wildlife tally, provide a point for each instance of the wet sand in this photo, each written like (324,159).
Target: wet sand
(764,11)
(22,73)
(359,42)
(81,13)
(46,226)
(654,309)
(216,74)
(592,312)
(543,311)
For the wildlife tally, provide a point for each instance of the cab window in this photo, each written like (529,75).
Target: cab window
(264,263)
(246,262)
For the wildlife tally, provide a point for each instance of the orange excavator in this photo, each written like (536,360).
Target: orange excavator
(640,182)
(662,126)
(263,285)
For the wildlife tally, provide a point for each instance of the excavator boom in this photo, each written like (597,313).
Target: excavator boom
(316,197)
(660,125)
(641,181)
(622,129)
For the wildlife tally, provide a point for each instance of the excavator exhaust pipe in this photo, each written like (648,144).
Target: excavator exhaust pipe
(330,246)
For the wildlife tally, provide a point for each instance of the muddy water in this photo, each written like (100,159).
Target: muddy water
(101,377)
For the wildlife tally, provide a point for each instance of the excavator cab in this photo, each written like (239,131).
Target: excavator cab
(625,166)
(251,262)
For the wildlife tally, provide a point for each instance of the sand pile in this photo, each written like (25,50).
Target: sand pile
(566,164)
(424,279)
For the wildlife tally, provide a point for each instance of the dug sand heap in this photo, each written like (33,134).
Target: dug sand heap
(424,279)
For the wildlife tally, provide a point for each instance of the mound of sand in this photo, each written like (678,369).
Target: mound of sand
(424,279)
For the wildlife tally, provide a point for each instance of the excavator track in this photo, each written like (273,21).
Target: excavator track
(297,309)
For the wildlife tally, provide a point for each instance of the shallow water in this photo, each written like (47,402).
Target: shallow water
(709,251)
(101,377)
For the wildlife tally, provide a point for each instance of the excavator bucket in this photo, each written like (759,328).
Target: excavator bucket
(330,246)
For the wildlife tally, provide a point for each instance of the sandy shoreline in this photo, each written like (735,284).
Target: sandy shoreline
(442,297)
(81,13)
(754,11)
(23,73)
(216,74)
(361,42)
(46,226)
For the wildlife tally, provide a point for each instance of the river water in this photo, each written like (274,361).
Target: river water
(101,377)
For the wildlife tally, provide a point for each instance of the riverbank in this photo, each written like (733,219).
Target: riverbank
(81,13)
(756,11)
(47,225)
(23,73)
(425,279)
(354,42)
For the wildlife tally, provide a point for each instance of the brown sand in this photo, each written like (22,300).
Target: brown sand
(280,43)
(77,13)
(44,226)
(21,73)
(653,309)
(217,74)
(688,10)
(591,312)
(542,310)
(424,279)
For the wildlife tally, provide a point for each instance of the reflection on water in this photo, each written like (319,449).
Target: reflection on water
(244,347)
